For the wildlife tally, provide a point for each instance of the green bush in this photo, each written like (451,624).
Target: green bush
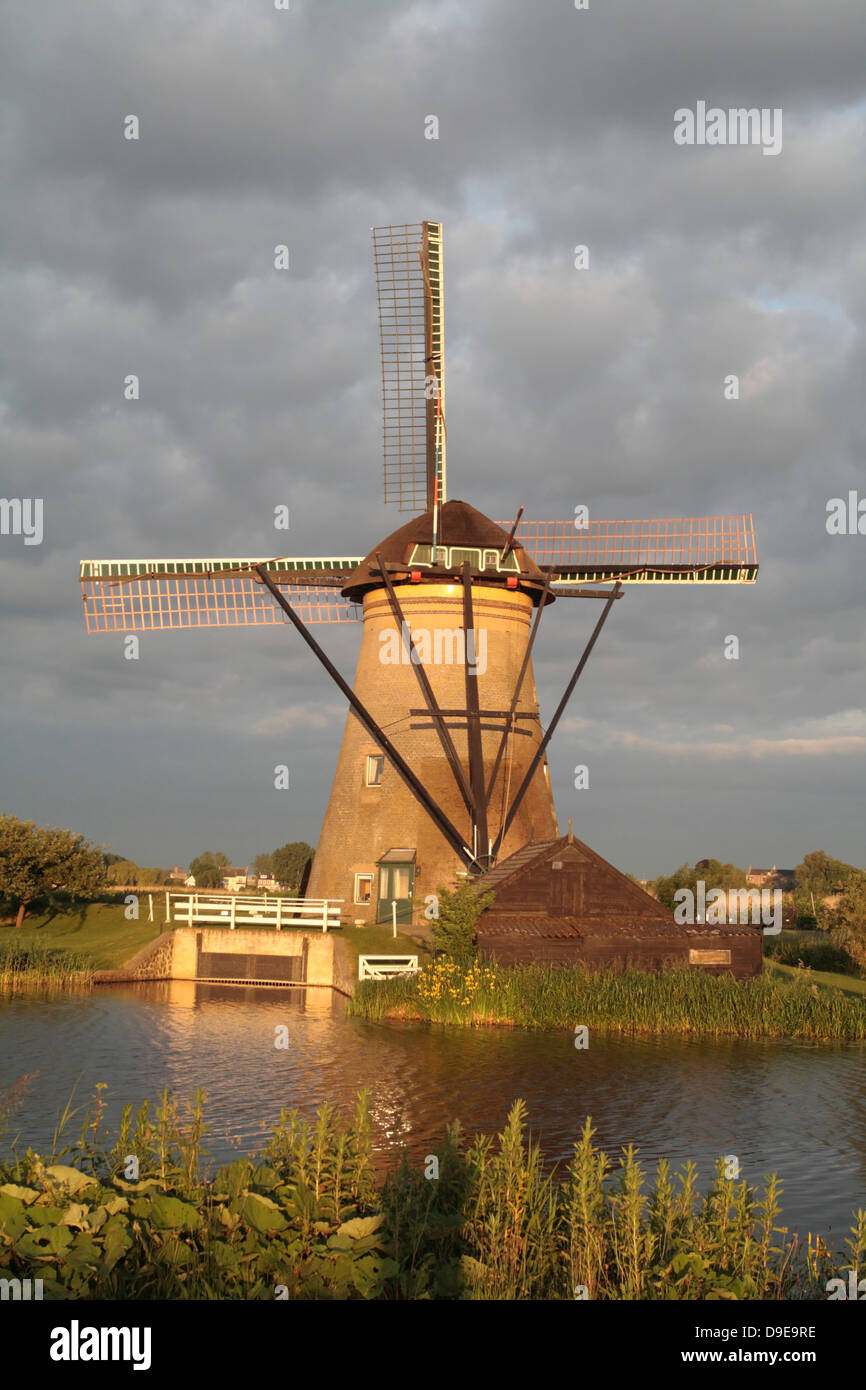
(454,928)
(812,955)
(307,1220)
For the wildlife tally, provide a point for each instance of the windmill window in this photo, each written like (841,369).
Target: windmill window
(375,768)
(421,555)
(363,888)
(460,556)
(509,562)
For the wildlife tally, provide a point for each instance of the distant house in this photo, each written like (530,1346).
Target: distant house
(786,879)
(234,880)
(557,902)
(267,885)
(189,881)
(178,873)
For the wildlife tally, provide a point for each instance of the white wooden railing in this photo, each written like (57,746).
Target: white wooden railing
(239,910)
(386,967)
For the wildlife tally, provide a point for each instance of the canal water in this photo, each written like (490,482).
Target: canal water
(798,1109)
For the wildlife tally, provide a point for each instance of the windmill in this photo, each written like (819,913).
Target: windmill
(443,766)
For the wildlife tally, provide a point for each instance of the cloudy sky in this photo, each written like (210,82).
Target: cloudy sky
(602,386)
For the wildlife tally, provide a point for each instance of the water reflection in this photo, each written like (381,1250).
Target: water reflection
(796,1108)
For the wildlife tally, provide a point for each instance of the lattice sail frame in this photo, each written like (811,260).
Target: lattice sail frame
(410,287)
(152,595)
(694,549)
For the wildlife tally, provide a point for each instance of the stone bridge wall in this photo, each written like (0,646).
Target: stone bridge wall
(173,955)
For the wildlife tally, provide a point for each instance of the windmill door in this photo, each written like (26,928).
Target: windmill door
(396,885)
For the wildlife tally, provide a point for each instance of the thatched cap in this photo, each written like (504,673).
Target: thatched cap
(459,525)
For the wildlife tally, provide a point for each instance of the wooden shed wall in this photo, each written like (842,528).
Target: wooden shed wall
(584,886)
(618,951)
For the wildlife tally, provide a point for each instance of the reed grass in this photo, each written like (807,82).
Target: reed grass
(675,1001)
(307,1219)
(25,966)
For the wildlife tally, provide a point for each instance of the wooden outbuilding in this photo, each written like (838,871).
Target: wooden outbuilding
(557,902)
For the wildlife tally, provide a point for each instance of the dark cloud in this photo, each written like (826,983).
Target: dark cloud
(604,386)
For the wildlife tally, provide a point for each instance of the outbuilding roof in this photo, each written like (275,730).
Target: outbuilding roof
(637,914)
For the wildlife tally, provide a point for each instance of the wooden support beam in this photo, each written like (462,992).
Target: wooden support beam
(427,691)
(485,713)
(582,593)
(510,542)
(542,747)
(516,696)
(473,723)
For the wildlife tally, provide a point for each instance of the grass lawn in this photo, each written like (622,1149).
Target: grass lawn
(380,941)
(97,930)
(824,979)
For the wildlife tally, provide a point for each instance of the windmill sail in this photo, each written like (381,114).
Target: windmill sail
(409,285)
(148,595)
(693,549)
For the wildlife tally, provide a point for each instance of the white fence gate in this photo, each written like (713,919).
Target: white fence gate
(386,967)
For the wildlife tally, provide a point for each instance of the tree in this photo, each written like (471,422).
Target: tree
(264,865)
(824,875)
(37,863)
(819,877)
(207,870)
(123,871)
(208,877)
(289,863)
(851,920)
(454,928)
(712,872)
(152,878)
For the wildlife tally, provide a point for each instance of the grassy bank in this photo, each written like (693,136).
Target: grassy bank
(777,1004)
(308,1220)
(97,931)
(820,952)
(380,941)
(824,979)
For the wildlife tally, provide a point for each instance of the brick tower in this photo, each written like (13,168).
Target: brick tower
(378,843)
